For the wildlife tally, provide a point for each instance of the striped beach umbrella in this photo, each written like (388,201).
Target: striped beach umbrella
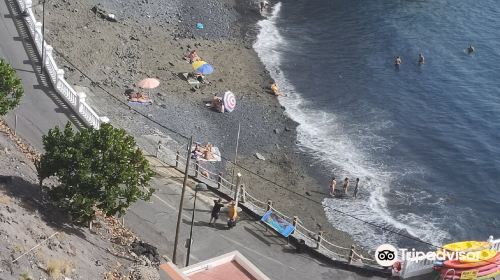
(202,67)
(229,101)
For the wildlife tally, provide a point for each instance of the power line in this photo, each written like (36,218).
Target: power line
(242,167)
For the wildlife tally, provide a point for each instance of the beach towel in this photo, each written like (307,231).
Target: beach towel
(215,151)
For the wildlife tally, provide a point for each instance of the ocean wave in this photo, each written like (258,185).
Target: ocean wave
(346,150)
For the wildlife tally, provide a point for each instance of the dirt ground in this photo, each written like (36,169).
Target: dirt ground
(42,237)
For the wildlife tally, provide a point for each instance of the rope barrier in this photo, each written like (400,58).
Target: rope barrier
(332,252)
(281,214)
(252,197)
(336,246)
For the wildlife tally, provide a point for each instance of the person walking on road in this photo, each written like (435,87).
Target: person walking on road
(356,188)
(216,211)
(333,184)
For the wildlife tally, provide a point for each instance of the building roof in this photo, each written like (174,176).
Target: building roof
(230,266)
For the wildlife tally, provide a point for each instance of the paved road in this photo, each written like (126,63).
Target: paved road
(155,222)
(40,108)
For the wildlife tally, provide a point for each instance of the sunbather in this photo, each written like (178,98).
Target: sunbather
(217,104)
(192,56)
(275,89)
(139,97)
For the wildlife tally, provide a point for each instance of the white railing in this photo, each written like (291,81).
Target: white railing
(75,100)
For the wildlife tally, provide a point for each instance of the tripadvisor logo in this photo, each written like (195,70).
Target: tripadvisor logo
(386,255)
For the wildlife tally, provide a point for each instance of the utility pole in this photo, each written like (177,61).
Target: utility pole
(188,157)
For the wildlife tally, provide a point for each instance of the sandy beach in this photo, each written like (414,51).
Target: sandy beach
(149,40)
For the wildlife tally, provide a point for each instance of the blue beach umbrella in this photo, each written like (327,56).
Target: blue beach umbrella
(202,67)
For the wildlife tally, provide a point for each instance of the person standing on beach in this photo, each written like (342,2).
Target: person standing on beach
(356,188)
(346,185)
(216,211)
(333,184)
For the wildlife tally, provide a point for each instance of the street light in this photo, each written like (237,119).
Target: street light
(199,187)
(43,37)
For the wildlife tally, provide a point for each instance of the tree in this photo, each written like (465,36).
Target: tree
(95,169)
(11,88)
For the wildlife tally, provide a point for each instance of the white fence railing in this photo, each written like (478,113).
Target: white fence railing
(75,99)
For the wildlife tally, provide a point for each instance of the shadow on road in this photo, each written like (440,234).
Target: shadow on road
(34,60)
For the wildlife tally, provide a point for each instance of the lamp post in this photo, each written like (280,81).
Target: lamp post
(199,187)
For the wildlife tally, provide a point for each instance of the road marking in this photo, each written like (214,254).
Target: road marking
(164,202)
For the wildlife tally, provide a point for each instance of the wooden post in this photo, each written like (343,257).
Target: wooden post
(294,223)
(177,156)
(196,169)
(269,204)
(158,149)
(351,254)
(320,237)
(219,180)
(238,187)
(243,194)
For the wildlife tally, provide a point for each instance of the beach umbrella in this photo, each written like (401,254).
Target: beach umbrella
(148,83)
(202,67)
(229,101)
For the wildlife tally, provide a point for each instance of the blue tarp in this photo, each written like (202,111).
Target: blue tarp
(279,224)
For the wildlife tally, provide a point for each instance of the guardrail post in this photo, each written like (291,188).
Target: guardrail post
(219,180)
(80,101)
(38,32)
(294,223)
(319,239)
(177,156)
(238,187)
(60,75)
(196,169)
(48,51)
(158,148)
(243,194)
(351,254)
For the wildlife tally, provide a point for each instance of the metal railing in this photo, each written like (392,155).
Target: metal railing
(75,100)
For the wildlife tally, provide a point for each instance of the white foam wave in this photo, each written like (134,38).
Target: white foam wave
(346,149)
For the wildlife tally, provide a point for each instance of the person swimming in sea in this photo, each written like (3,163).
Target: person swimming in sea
(421,59)
(470,49)
(398,61)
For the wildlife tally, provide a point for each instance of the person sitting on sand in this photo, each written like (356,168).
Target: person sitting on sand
(192,56)
(276,91)
(208,154)
(139,97)
(217,104)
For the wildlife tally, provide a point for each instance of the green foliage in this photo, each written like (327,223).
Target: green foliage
(96,169)
(11,88)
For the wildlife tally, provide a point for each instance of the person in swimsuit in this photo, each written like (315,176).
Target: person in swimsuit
(356,188)
(421,59)
(346,185)
(333,184)
(398,61)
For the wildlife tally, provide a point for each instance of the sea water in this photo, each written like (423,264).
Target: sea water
(423,139)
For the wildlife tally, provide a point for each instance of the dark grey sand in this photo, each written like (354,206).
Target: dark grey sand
(149,40)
